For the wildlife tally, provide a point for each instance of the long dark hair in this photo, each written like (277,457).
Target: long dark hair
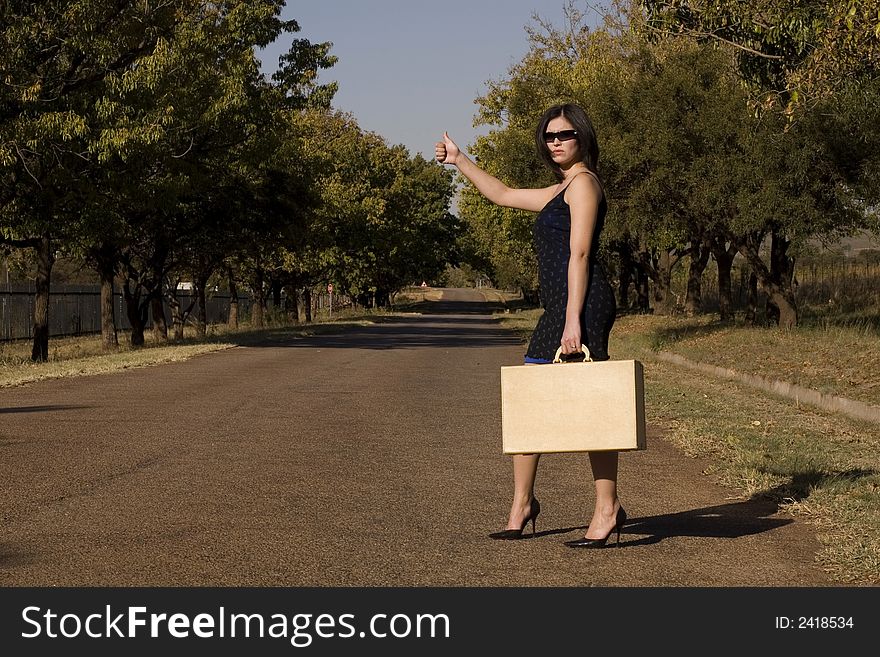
(586,136)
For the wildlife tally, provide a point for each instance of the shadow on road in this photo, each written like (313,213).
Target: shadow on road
(38,409)
(411,336)
(389,332)
(453,307)
(722,521)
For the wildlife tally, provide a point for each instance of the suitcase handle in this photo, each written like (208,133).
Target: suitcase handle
(584,348)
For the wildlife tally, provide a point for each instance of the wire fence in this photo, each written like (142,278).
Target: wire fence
(813,283)
(76,310)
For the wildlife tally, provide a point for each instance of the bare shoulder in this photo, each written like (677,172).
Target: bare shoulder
(584,189)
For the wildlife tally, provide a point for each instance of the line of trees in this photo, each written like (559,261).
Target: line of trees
(697,163)
(140,137)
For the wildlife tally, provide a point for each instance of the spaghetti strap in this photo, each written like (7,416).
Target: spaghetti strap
(592,173)
(596,176)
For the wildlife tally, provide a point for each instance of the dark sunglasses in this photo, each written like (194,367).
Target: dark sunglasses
(562,135)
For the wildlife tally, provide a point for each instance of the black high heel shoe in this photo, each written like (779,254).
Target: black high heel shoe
(515,534)
(600,542)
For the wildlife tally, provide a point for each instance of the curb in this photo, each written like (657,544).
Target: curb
(850,407)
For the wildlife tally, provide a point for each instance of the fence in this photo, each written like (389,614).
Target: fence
(856,281)
(814,283)
(76,309)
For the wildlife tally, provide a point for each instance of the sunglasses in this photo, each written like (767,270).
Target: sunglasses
(562,135)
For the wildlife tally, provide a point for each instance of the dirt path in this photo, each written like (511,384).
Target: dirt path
(365,458)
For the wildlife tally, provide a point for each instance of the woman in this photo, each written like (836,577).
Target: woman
(579,305)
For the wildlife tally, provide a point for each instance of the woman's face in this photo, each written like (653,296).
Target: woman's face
(563,145)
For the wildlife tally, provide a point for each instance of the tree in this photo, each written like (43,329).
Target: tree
(382,220)
(56,57)
(688,168)
(791,50)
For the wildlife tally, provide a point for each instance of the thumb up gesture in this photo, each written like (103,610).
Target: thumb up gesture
(446,151)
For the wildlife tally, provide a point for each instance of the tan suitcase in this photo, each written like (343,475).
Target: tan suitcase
(573,407)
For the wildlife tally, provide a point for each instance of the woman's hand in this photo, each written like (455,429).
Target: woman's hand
(571,337)
(446,151)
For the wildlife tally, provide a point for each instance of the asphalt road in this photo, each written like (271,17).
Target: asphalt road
(365,458)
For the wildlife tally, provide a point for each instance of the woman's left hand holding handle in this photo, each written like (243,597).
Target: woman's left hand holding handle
(571,338)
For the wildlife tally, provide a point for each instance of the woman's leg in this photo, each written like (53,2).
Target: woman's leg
(525,467)
(604,465)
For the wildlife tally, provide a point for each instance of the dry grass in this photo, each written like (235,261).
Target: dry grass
(817,465)
(15,372)
(842,361)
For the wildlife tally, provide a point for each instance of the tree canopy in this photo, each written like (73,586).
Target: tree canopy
(689,167)
(142,138)
(793,51)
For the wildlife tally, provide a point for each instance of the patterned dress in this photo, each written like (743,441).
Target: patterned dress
(551,238)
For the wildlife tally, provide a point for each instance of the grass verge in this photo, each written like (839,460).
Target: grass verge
(816,465)
(838,360)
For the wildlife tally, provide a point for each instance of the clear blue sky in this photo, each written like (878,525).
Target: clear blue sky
(410,69)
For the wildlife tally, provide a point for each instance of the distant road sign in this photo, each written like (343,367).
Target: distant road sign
(330,287)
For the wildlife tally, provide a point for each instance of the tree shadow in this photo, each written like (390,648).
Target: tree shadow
(802,483)
(856,319)
(10,558)
(388,332)
(673,334)
(39,409)
(452,307)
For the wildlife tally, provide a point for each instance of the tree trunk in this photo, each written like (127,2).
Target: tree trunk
(776,280)
(300,306)
(693,302)
(664,302)
(786,307)
(291,305)
(202,313)
(259,300)
(779,289)
(724,256)
(136,313)
(177,320)
(232,320)
(643,284)
(307,302)
(157,311)
(105,259)
(109,337)
(625,274)
(45,260)
(275,286)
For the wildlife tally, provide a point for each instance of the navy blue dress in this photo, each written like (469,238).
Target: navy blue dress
(551,238)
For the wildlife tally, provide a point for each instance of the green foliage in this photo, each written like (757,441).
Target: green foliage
(382,221)
(684,158)
(790,50)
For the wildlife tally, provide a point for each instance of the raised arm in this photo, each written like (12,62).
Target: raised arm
(488,185)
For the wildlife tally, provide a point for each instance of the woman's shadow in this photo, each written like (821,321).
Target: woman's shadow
(752,516)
